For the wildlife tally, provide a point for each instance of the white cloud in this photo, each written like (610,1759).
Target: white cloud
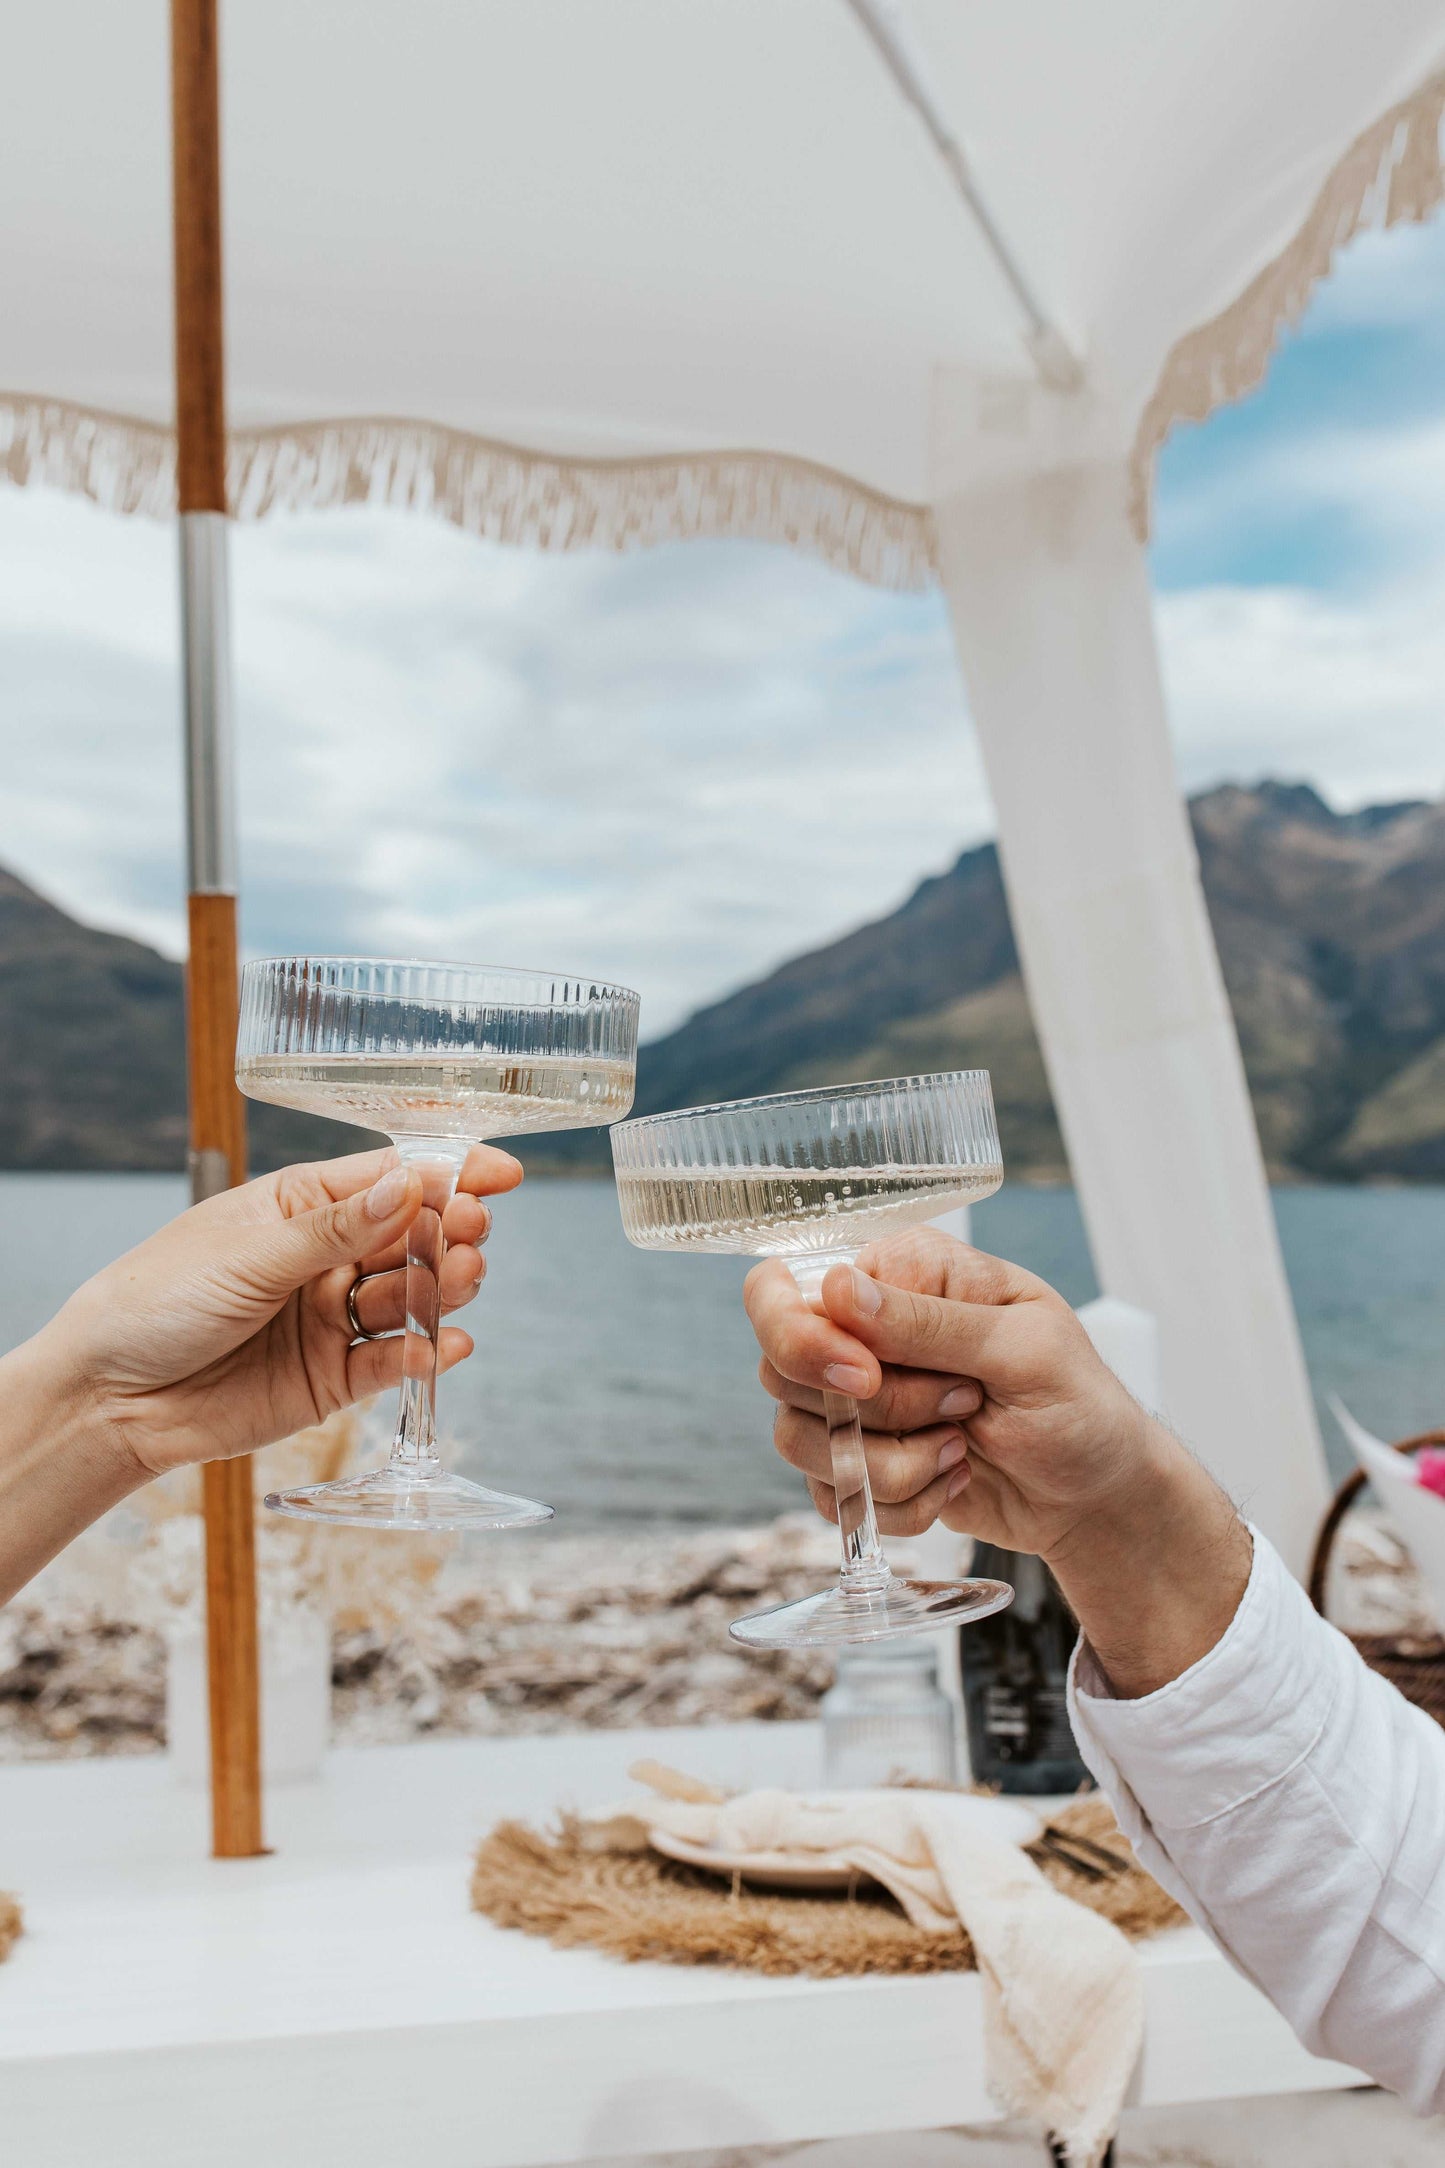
(677,769)
(1385,280)
(1344,686)
(1348,695)
(1378,490)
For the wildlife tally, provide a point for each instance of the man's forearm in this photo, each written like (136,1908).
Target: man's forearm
(60,1467)
(1155,1578)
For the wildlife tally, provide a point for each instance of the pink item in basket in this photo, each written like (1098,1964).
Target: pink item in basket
(1430,1469)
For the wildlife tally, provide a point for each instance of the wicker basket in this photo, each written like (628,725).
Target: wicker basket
(1413,1662)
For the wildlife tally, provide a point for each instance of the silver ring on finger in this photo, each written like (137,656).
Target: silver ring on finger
(358,1330)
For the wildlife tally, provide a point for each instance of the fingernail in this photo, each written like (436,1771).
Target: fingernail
(847,1378)
(960,1482)
(959,1400)
(384,1196)
(867,1293)
(952,1454)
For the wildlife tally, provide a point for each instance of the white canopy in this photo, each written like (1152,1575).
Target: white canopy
(917,285)
(476,249)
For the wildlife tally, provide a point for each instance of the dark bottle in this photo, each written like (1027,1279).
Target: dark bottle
(1015,1673)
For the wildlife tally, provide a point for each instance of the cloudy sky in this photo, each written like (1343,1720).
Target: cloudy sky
(678,768)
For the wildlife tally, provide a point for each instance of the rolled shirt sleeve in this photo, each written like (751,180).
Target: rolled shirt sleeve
(1294,1803)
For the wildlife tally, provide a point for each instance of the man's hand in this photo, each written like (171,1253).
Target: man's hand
(985,1404)
(983,1401)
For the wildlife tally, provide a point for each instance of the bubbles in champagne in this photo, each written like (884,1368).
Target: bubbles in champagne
(788,1212)
(462,1094)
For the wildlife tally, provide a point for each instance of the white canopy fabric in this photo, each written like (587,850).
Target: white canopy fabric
(616,271)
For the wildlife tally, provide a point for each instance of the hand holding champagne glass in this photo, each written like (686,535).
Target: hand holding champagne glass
(810,1177)
(440,1057)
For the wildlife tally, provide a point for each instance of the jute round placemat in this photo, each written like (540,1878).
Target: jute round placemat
(639,1905)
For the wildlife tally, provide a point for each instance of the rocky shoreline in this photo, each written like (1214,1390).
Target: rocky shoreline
(549,1634)
(566,1633)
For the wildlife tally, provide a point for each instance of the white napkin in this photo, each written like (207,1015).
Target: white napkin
(1416,1513)
(1063,2006)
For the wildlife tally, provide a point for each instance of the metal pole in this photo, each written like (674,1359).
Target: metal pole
(1057,364)
(217,1113)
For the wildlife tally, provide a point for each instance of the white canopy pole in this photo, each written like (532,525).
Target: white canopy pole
(1051,607)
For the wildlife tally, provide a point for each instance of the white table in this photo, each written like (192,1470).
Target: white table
(339,2006)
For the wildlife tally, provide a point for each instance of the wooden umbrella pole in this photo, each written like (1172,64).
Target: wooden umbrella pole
(217,1112)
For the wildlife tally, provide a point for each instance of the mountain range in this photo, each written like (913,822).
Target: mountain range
(93,1051)
(1331,932)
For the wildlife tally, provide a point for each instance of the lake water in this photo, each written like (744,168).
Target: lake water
(621,1386)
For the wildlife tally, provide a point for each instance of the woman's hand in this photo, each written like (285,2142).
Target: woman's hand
(226,1330)
(229,1327)
(984,1404)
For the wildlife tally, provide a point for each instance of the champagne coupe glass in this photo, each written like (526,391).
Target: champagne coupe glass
(810,1177)
(440,1056)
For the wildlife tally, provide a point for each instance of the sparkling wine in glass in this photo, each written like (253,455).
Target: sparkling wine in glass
(440,1057)
(811,1177)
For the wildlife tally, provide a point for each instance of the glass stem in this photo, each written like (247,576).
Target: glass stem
(414,1449)
(864,1566)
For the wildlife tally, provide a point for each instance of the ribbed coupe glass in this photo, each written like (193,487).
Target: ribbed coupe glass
(811,1177)
(439,1056)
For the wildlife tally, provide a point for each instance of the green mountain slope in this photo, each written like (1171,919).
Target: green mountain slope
(93,1051)
(1331,931)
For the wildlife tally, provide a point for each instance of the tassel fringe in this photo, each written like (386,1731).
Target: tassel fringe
(494,490)
(1390,174)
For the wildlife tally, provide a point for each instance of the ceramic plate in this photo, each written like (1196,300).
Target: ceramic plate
(1008,1820)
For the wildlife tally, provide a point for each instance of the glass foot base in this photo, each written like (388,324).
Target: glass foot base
(898,1607)
(391,1498)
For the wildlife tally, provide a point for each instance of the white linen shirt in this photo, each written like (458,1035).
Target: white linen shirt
(1294,1803)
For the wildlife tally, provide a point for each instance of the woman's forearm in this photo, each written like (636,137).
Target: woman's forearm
(61,1466)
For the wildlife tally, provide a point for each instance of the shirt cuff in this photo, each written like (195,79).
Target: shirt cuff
(1230,1726)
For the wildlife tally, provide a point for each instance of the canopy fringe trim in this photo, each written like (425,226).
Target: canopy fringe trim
(124,465)
(1390,175)
(499,491)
